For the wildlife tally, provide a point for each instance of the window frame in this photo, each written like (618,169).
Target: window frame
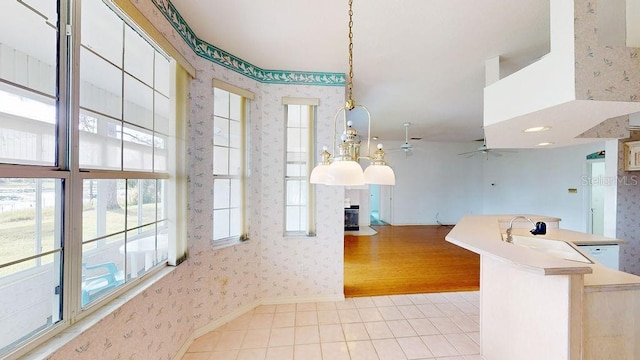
(67,170)
(310,208)
(243,177)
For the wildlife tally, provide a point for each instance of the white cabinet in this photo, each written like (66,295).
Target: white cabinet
(607,255)
(632,156)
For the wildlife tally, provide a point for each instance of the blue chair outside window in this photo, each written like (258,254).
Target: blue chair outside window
(98,285)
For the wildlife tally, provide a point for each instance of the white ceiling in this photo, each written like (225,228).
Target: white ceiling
(418,61)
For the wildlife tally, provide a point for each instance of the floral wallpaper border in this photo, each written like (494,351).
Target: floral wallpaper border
(223,58)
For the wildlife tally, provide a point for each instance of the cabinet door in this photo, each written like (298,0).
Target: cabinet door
(632,156)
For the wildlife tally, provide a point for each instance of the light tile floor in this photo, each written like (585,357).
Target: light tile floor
(421,326)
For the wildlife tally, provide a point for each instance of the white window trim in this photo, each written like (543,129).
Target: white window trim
(311,198)
(244,176)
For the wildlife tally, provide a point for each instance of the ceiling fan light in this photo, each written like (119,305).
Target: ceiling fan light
(345,173)
(379,175)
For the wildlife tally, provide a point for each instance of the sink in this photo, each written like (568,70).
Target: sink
(557,248)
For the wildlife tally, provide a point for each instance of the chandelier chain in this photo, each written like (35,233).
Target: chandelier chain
(350,85)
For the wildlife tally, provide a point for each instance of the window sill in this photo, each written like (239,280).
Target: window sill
(50,346)
(217,245)
(298,235)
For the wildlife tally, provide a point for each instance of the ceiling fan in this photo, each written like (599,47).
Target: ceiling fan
(484,150)
(406,147)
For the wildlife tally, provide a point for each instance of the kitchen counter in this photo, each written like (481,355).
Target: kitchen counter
(482,235)
(534,305)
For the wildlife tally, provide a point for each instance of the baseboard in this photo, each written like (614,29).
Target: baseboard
(301,299)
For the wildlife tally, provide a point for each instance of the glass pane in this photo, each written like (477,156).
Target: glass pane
(304,140)
(293,140)
(161,208)
(235,138)
(160,155)
(103,204)
(28,47)
(293,115)
(235,222)
(30,210)
(138,56)
(220,103)
(100,142)
(100,85)
(294,192)
(142,249)
(236,193)
(137,153)
(220,131)
(220,160)
(294,170)
(293,218)
(304,116)
(303,192)
(30,298)
(102,31)
(220,224)
(235,162)
(235,107)
(162,253)
(161,115)
(27,127)
(103,264)
(141,202)
(162,74)
(221,193)
(303,218)
(138,103)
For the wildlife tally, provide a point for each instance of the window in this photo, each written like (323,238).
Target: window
(31,193)
(299,208)
(86,187)
(124,131)
(229,164)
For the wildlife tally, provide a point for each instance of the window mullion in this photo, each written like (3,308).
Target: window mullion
(72,211)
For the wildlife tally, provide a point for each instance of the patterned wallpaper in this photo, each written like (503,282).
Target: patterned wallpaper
(602,72)
(628,212)
(613,128)
(611,73)
(321,256)
(212,284)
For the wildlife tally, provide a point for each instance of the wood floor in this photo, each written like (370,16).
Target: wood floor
(407,260)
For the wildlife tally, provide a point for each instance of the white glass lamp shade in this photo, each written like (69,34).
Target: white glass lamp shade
(379,175)
(345,173)
(320,174)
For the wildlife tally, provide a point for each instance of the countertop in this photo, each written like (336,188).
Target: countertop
(482,234)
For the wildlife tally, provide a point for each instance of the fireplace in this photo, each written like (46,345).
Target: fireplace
(351,218)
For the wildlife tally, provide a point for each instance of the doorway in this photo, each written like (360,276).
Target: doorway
(596,184)
(374,205)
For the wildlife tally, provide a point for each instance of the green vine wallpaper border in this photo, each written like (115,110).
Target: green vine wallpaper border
(223,58)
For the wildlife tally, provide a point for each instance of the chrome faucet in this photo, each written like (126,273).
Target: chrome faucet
(509,237)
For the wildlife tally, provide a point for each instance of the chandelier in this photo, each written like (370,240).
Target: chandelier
(344,169)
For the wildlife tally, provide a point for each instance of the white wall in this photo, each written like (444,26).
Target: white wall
(537,181)
(435,180)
